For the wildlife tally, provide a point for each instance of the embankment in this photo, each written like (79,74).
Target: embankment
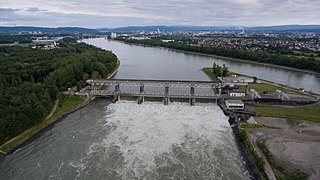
(250,162)
(50,126)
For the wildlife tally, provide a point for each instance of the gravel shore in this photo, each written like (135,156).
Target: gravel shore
(295,147)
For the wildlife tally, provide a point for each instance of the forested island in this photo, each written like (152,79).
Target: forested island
(306,63)
(32,79)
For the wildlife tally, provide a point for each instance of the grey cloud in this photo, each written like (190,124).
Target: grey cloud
(32,9)
(8,10)
(110,13)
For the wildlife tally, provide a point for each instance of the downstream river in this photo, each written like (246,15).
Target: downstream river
(147,141)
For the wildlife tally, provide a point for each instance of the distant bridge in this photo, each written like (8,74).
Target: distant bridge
(96,90)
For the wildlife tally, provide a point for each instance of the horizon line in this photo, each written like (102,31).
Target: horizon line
(248,26)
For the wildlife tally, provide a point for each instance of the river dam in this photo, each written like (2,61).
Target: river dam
(126,140)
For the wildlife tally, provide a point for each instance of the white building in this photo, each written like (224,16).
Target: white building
(166,41)
(234,104)
(237,94)
(113,35)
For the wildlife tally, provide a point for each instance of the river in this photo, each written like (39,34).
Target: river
(147,141)
(159,63)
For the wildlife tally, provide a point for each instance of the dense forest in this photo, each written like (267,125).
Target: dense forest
(308,63)
(32,79)
(8,39)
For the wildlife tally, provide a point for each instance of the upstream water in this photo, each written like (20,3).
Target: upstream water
(130,141)
(139,62)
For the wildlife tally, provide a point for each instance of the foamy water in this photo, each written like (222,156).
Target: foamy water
(130,141)
(152,140)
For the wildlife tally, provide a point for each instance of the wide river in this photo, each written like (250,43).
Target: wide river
(139,62)
(147,141)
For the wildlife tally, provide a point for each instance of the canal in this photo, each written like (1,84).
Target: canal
(148,141)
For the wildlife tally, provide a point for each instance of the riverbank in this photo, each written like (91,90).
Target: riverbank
(115,71)
(274,147)
(246,61)
(290,149)
(70,105)
(250,159)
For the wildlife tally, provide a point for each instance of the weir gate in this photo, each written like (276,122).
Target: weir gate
(98,89)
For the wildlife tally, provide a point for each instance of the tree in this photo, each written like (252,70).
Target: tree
(254,79)
(218,71)
(95,75)
(214,68)
(32,79)
(225,70)
(85,76)
(79,86)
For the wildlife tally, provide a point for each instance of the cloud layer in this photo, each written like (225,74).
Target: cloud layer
(115,13)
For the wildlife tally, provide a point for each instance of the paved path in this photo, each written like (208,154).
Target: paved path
(56,103)
(28,130)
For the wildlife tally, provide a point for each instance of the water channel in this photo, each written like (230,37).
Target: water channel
(148,141)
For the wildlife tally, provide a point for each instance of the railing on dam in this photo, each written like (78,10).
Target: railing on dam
(153,83)
(215,88)
(151,94)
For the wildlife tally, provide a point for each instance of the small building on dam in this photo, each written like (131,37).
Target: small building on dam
(234,104)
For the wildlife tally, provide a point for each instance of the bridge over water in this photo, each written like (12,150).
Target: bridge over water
(214,93)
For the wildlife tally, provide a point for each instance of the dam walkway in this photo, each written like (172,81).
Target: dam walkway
(214,92)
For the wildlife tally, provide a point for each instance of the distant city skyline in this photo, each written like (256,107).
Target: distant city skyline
(107,13)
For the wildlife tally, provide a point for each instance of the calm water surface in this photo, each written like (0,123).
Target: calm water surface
(159,63)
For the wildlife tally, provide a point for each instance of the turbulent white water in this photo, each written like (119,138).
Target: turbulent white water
(152,140)
(130,141)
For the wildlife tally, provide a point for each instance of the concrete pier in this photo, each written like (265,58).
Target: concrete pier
(141,97)
(116,96)
(192,98)
(166,95)
(219,90)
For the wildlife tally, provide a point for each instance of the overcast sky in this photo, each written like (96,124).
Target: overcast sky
(118,13)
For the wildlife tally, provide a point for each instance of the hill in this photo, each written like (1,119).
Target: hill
(26,29)
(281,28)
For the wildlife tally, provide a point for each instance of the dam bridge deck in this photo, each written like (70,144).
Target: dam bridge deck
(214,89)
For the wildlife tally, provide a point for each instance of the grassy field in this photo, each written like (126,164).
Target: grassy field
(68,104)
(258,87)
(309,113)
(263,87)
(212,76)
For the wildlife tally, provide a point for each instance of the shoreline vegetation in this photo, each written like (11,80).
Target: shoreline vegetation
(246,61)
(164,45)
(253,144)
(67,103)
